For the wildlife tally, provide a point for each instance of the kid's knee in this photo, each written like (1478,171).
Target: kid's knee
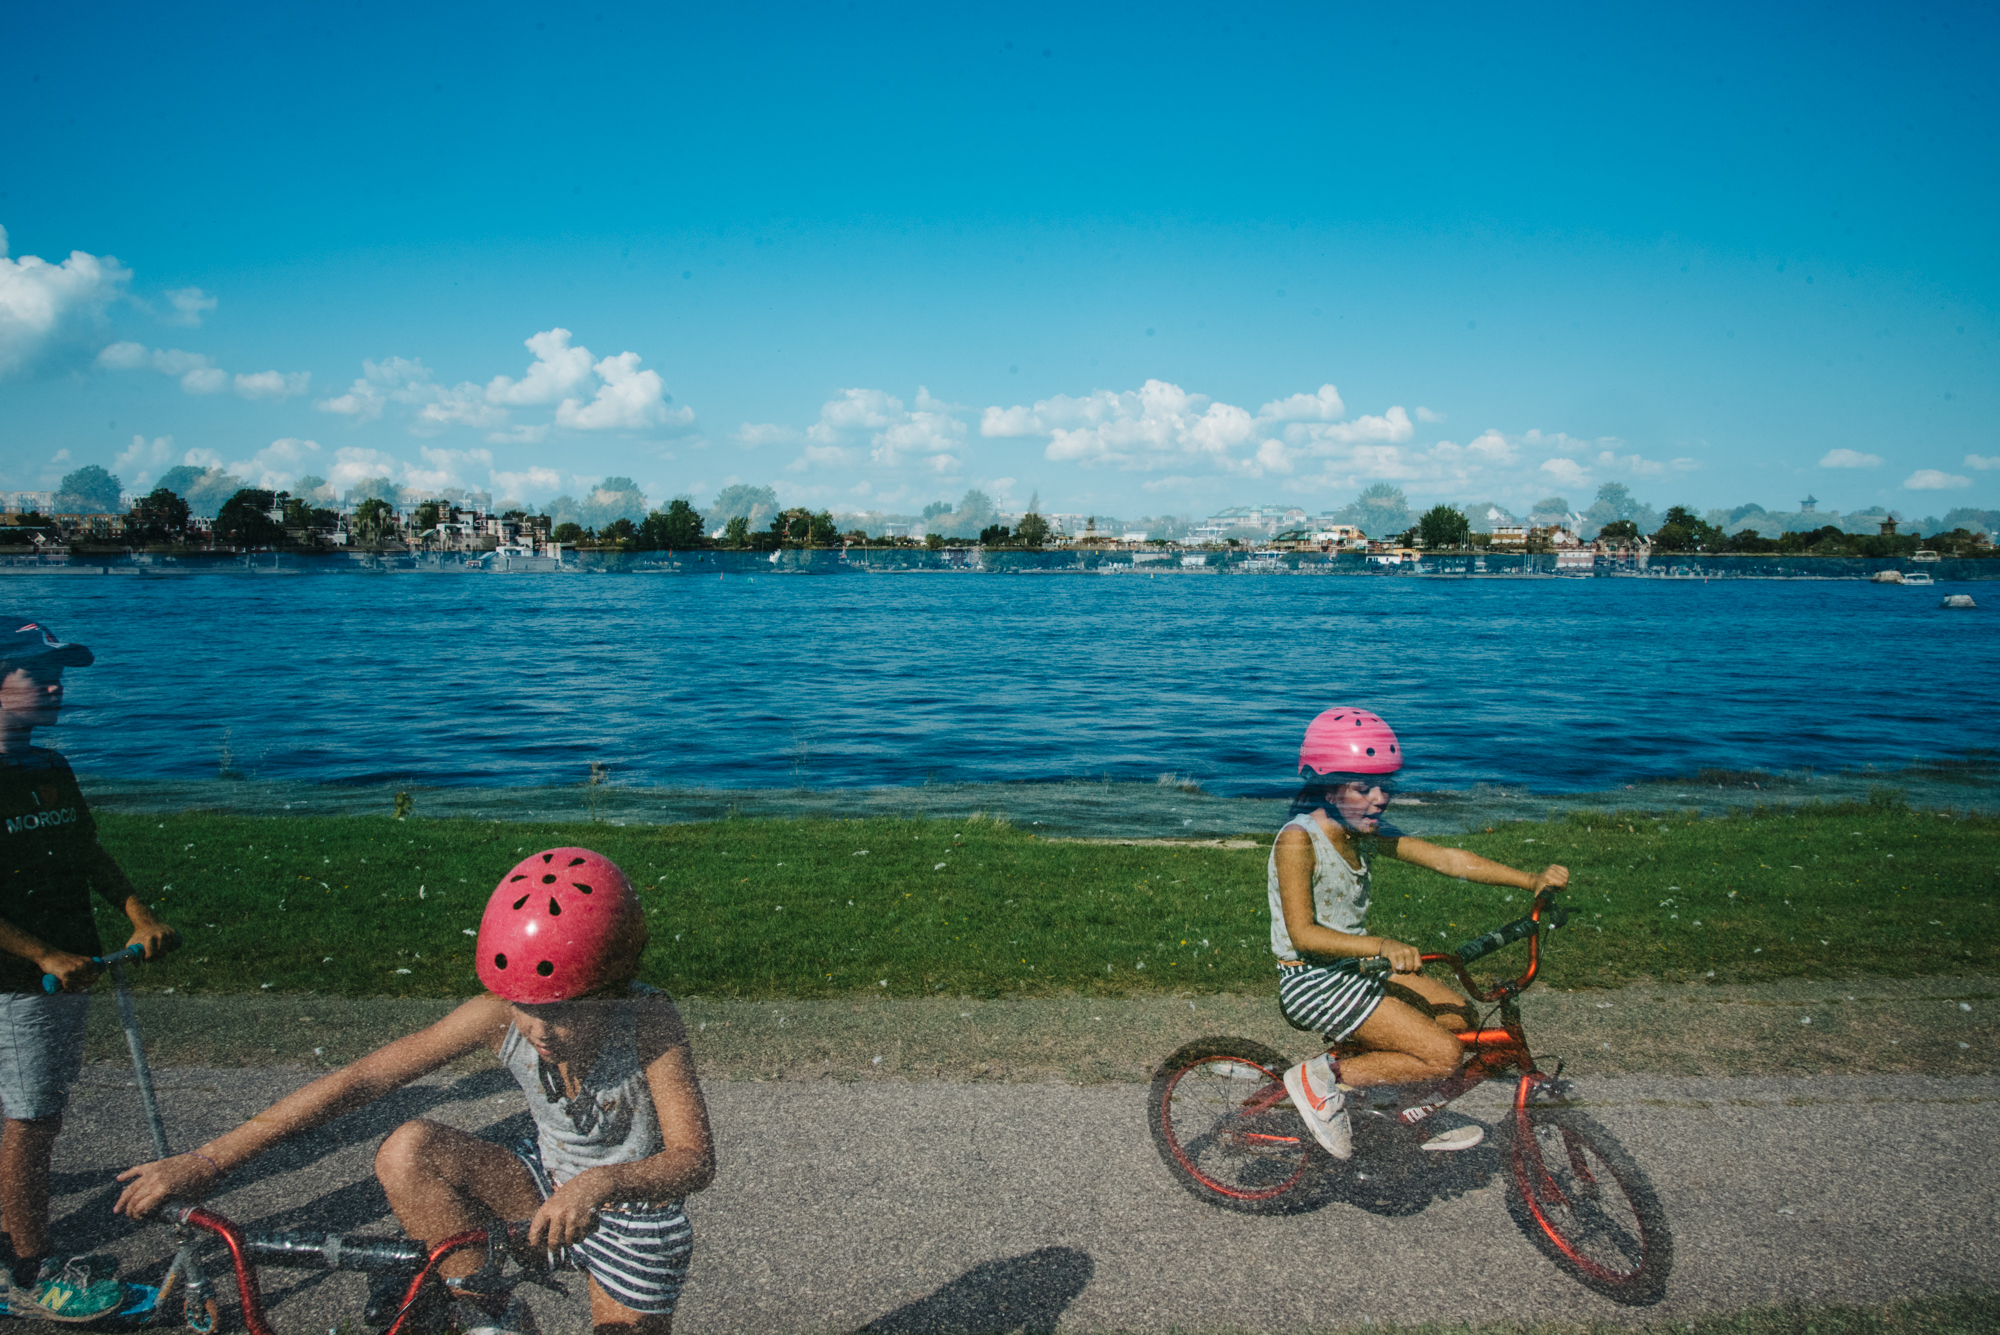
(1441,1058)
(407,1149)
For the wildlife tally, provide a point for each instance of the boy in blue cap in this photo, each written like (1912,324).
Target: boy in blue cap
(50,861)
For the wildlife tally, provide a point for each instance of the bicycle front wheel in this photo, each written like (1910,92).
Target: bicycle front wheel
(1582,1200)
(1225,1125)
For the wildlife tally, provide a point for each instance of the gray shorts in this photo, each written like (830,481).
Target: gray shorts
(41,1052)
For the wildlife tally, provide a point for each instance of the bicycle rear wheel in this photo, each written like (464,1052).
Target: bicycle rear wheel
(1584,1203)
(1225,1125)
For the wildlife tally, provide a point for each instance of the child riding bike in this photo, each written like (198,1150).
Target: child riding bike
(1319,885)
(622,1132)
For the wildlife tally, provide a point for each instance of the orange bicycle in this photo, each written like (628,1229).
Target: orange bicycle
(1228,1131)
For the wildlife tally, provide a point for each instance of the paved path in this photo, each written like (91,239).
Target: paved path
(944,1207)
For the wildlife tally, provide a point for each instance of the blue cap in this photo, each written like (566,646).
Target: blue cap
(33,642)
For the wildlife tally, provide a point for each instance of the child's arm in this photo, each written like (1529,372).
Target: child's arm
(1295,875)
(1471,867)
(116,888)
(685,1164)
(480,1022)
(75,972)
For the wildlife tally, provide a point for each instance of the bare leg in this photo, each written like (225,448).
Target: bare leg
(1404,1044)
(442,1181)
(612,1317)
(1438,994)
(25,1148)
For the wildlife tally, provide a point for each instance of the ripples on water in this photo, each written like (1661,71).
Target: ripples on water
(837,684)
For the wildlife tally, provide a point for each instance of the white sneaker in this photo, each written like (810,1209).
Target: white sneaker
(1458,1138)
(1319,1100)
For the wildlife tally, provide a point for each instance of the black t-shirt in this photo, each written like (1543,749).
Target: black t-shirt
(48,847)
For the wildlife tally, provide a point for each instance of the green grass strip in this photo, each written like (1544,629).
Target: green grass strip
(371,906)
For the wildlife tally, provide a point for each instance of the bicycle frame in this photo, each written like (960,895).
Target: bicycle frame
(1489,1052)
(332,1252)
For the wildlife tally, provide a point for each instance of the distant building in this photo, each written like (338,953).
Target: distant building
(1807,505)
(1510,535)
(21,502)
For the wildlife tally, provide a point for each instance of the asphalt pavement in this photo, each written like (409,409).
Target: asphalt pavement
(935,1206)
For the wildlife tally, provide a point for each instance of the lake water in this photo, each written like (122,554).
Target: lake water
(1056,697)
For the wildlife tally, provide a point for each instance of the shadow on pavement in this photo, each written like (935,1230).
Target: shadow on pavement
(1390,1176)
(1026,1293)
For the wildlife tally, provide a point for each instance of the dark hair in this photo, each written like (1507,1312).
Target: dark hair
(1318,789)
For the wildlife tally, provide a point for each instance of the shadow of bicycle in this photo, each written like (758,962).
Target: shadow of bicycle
(1026,1293)
(1389,1175)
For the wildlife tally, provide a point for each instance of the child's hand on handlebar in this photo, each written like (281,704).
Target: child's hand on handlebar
(1405,958)
(570,1211)
(152,936)
(182,1177)
(74,973)
(1555,878)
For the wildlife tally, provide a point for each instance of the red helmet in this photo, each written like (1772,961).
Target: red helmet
(1349,741)
(562,923)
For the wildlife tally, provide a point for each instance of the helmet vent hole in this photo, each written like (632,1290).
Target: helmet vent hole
(499,961)
(1371,750)
(581,886)
(522,900)
(555,909)
(548,880)
(545,968)
(548,857)
(576,862)
(522,877)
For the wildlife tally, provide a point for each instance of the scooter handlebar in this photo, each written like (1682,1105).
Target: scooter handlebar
(135,951)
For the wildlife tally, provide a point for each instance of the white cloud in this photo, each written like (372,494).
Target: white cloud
(895,434)
(1849,459)
(1931,479)
(1566,471)
(1637,465)
(524,434)
(753,434)
(1157,426)
(446,468)
(189,304)
(273,384)
(139,461)
(820,456)
(1325,406)
(123,356)
(1982,461)
(205,380)
(534,481)
(558,371)
(856,410)
(351,464)
(1172,482)
(463,405)
(628,400)
(276,466)
(48,308)
(1428,414)
(199,375)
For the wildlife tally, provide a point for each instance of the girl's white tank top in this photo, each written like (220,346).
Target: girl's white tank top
(1340,893)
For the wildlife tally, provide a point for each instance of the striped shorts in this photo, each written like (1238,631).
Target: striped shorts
(638,1253)
(1330,999)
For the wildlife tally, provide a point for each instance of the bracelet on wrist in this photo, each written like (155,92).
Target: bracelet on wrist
(197,1154)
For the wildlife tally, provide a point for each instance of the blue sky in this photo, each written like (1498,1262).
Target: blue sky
(874,255)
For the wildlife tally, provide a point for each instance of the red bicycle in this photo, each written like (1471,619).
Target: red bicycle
(1228,1131)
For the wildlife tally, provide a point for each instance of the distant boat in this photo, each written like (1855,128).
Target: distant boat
(1927,556)
(1921,578)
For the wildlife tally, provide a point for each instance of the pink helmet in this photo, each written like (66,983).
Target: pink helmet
(562,923)
(1350,741)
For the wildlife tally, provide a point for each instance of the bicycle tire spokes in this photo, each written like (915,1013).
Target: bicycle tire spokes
(1602,1232)
(1230,1125)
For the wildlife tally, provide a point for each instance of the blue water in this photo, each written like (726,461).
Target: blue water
(868,681)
